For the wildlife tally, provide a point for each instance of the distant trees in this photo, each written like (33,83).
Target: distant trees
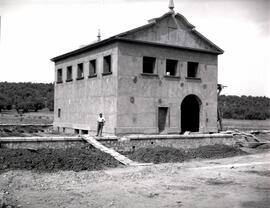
(35,96)
(26,96)
(244,107)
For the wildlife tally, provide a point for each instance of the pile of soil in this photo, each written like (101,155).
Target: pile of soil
(158,155)
(215,151)
(48,160)
(167,154)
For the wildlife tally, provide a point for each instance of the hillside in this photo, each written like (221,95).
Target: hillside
(26,96)
(244,107)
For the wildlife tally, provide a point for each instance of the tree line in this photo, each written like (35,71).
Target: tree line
(26,97)
(244,107)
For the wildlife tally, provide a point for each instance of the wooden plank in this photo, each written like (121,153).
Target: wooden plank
(121,158)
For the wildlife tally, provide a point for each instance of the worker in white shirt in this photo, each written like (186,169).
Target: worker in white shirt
(100,124)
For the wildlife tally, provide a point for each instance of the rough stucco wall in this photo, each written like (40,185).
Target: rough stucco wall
(81,101)
(129,146)
(152,92)
(171,31)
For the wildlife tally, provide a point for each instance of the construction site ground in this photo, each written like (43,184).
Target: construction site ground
(241,181)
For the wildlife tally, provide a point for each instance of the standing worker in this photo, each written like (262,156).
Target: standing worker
(100,124)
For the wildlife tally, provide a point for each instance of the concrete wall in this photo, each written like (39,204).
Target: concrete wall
(82,100)
(139,96)
(173,31)
(185,143)
(118,144)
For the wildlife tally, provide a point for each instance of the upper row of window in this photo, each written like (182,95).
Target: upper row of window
(171,67)
(80,70)
(148,68)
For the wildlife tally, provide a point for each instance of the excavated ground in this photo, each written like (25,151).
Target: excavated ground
(167,154)
(89,158)
(48,160)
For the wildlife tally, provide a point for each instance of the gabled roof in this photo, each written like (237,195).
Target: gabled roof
(152,22)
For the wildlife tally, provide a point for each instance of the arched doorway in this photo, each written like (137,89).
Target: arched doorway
(190,113)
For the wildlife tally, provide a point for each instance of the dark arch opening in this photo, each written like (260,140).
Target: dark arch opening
(190,114)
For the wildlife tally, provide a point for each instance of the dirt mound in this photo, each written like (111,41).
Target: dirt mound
(167,154)
(215,151)
(48,160)
(158,155)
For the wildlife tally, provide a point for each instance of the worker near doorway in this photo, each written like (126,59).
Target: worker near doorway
(100,124)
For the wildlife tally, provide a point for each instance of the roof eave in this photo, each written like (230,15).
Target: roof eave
(83,49)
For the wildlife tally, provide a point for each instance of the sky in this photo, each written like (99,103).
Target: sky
(34,31)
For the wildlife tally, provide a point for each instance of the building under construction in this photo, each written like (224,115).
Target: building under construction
(157,78)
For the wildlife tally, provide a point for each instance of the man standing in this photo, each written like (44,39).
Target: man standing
(100,124)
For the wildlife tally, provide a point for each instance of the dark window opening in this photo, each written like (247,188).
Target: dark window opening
(149,65)
(59,113)
(80,71)
(59,76)
(192,69)
(69,73)
(92,68)
(171,67)
(107,65)
(76,131)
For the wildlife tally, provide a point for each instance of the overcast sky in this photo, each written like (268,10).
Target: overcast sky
(33,31)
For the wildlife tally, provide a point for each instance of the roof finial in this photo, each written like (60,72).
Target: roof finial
(171,6)
(99,36)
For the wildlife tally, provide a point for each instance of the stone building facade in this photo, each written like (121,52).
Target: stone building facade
(158,78)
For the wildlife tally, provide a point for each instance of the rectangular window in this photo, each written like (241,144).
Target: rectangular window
(92,68)
(171,67)
(107,65)
(69,73)
(149,65)
(59,113)
(59,76)
(192,69)
(80,71)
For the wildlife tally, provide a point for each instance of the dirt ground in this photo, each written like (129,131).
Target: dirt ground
(12,117)
(52,160)
(231,124)
(168,154)
(242,181)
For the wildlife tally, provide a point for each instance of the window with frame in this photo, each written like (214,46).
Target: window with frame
(107,65)
(171,67)
(80,71)
(69,73)
(59,78)
(192,69)
(149,65)
(92,68)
